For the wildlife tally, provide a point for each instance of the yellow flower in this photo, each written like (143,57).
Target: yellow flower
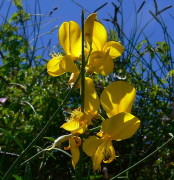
(79,121)
(74,143)
(103,52)
(59,65)
(116,100)
(70,38)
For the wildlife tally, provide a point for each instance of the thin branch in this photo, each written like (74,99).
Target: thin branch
(141,7)
(101,7)
(159,12)
(156,7)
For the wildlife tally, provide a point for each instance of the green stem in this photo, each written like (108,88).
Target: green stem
(94,129)
(99,116)
(142,159)
(15,165)
(83,67)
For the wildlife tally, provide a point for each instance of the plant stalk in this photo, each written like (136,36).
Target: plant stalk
(83,67)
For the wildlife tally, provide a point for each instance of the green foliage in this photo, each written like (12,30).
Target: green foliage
(32,96)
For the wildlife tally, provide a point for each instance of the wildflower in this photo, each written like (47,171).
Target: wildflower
(70,38)
(79,121)
(74,143)
(103,52)
(117,100)
(59,65)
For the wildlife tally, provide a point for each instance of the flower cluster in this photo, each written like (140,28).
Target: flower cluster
(116,99)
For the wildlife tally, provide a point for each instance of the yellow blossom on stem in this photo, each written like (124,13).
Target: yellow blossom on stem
(103,52)
(70,39)
(117,100)
(79,121)
(74,143)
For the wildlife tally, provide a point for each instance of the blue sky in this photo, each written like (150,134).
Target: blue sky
(68,10)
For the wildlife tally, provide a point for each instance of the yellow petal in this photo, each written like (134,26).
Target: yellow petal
(99,36)
(55,66)
(92,102)
(75,127)
(90,145)
(60,64)
(100,63)
(70,38)
(74,151)
(68,64)
(100,150)
(117,97)
(109,153)
(75,120)
(116,49)
(63,35)
(81,129)
(78,122)
(71,125)
(105,152)
(121,126)
(89,24)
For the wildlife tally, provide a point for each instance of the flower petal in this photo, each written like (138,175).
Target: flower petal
(90,145)
(117,97)
(71,125)
(100,150)
(78,122)
(60,64)
(74,151)
(55,67)
(89,23)
(109,153)
(81,129)
(99,36)
(92,102)
(70,38)
(116,49)
(68,64)
(99,156)
(121,126)
(105,152)
(100,63)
